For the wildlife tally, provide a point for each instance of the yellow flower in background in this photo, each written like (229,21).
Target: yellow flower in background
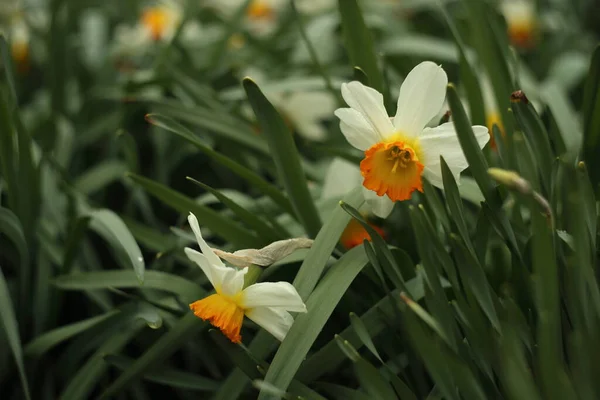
(522,22)
(399,152)
(267,304)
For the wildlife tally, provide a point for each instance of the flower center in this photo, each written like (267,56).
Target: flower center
(260,9)
(393,168)
(222,312)
(156,19)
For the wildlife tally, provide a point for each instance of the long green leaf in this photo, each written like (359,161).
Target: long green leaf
(177,285)
(307,326)
(167,376)
(9,323)
(48,340)
(359,42)
(250,176)
(112,228)
(217,223)
(591,124)
(284,152)
(263,230)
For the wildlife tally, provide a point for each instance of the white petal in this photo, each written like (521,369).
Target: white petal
(342,176)
(356,129)
(421,98)
(215,273)
(233,281)
(379,205)
(207,251)
(443,141)
(368,102)
(274,320)
(273,294)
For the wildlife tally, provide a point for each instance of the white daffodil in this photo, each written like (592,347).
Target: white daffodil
(267,303)
(522,21)
(400,151)
(261,16)
(157,23)
(303,109)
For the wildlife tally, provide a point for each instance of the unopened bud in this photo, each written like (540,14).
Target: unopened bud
(510,179)
(519,97)
(265,256)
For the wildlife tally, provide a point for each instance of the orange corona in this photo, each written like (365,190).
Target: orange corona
(393,169)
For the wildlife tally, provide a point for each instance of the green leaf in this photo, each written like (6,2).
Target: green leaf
(222,124)
(320,252)
(369,377)
(307,326)
(73,242)
(7,64)
(112,228)
(536,134)
(179,334)
(359,42)
(565,116)
(217,223)
(84,381)
(338,392)
(363,334)
(454,203)
(284,152)
(591,121)
(167,376)
(329,357)
(477,163)
(48,340)
(254,179)
(99,176)
(421,47)
(187,290)
(11,329)
(263,230)
(11,227)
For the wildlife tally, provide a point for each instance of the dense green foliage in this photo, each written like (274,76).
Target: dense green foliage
(487,289)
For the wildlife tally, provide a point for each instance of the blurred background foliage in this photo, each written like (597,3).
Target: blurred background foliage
(118,117)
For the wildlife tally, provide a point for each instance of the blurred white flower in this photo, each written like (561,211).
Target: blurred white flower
(157,23)
(521,18)
(262,16)
(303,109)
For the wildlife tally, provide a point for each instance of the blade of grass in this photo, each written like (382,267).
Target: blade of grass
(177,285)
(245,173)
(358,41)
(307,326)
(263,230)
(167,376)
(217,223)
(285,154)
(9,323)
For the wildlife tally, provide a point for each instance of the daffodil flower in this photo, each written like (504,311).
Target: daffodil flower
(267,304)
(522,22)
(401,151)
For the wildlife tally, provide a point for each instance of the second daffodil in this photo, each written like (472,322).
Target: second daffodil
(401,151)
(267,303)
